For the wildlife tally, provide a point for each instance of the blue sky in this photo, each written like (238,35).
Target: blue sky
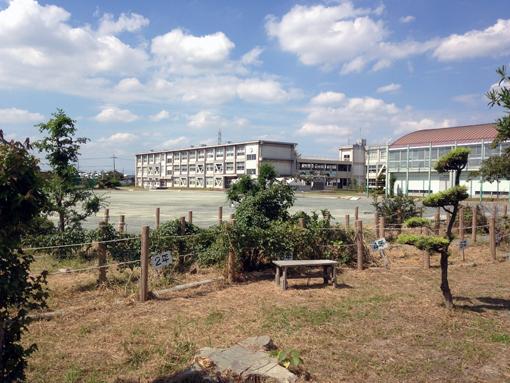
(157,74)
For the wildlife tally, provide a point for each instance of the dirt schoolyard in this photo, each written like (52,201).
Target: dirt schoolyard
(379,325)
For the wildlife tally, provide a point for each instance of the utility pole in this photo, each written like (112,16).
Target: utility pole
(114,157)
(219,136)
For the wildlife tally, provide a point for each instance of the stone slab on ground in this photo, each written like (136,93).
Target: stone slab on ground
(247,361)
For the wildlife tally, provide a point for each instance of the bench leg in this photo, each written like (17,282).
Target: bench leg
(325,274)
(284,279)
(334,277)
(277,276)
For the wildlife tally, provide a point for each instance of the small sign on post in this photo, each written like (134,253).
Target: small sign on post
(462,245)
(379,245)
(159,261)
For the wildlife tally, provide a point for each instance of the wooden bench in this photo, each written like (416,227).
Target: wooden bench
(326,264)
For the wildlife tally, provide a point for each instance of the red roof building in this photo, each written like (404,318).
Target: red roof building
(448,136)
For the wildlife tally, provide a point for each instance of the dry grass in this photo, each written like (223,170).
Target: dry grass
(379,325)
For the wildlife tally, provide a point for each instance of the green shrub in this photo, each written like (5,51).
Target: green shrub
(417,222)
(429,243)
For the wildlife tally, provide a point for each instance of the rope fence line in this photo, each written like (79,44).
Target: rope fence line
(78,244)
(71,271)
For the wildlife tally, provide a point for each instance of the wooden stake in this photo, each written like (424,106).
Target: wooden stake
(144,263)
(492,236)
(461,230)
(505,210)
(347,221)
(106,215)
(157,217)
(220,215)
(359,242)
(356,213)
(122,224)
(190,217)
(180,262)
(101,255)
(382,232)
(474,212)
(376,224)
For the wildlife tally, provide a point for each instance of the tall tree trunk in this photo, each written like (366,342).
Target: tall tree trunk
(445,287)
(61,221)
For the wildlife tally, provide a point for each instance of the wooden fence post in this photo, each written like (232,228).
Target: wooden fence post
(376,224)
(382,230)
(157,217)
(356,213)
(437,221)
(122,224)
(220,215)
(505,210)
(359,242)
(101,255)
(190,217)
(492,236)
(474,218)
(182,231)
(347,221)
(144,264)
(301,223)
(106,215)
(461,230)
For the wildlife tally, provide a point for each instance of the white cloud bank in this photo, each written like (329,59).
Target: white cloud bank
(352,39)
(390,88)
(114,114)
(19,116)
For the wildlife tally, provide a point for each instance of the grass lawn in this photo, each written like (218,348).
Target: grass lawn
(378,326)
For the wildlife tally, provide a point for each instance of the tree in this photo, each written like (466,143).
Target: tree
(497,168)
(246,186)
(69,198)
(21,201)
(109,180)
(449,200)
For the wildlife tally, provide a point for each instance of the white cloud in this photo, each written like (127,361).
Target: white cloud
(252,57)
(119,138)
(210,119)
(470,99)
(161,115)
(40,49)
(492,41)
(125,23)
(310,129)
(407,19)
(407,126)
(353,39)
(257,90)
(326,98)
(175,142)
(390,88)
(19,116)
(331,115)
(185,53)
(115,114)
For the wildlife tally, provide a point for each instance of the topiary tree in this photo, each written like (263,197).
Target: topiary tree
(449,200)
(21,201)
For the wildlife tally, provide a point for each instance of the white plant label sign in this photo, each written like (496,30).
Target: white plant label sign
(159,261)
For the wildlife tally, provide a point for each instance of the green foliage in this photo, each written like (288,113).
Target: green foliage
(454,160)
(68,197)
(396,209)
(495,168)
(429,243)
(417,222)
(245,186)
(265,206)
(267,175)
(21,202)
(289,359)
(500,96)
(447,197)
(109,180)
